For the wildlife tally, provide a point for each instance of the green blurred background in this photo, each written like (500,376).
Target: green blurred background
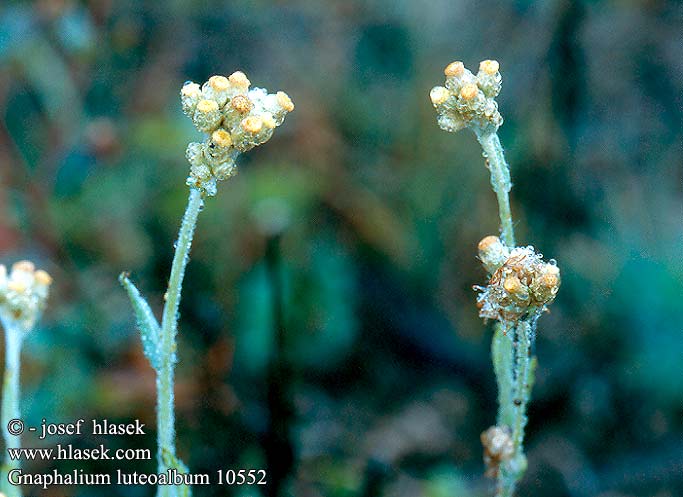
(359,222)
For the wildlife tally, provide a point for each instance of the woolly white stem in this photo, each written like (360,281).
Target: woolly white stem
(500,181)
(169,330)
(10,403)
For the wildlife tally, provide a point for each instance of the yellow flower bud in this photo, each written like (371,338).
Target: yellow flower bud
(439,95)
(43,278)
(24,266)
(252,124)
(454,69)
(488,242)
(550,281)
(284,101)
(512,284)
(489,67)
(551,271)
(239,80)
(191,90)
(221,138)
(219,147)
(17,286)
(207,117)
(219,83)
(469,91)
(189,96)
(546,284)
(206,106)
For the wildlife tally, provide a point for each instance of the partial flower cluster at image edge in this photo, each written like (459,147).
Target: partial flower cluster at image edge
(23,294)
(235,117)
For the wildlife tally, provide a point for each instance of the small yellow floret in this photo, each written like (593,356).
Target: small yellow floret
(550,281)
(550,277)
(252,124)
(512,285)
(206,106)
(487,242)
(284,101)
(42,278)
(219,83)
(24,266)
(191,90)
(456,68)
(489,67)
(469,91)
(439,95)
(239,79)
(221,138)
(17,286)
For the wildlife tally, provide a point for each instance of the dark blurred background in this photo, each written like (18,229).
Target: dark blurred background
(331,280)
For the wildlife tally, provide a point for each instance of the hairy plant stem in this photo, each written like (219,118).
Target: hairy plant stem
(513,412)
(169,330)
(523,337)
(512,341)
(502,354)
(10,403)
(500,181)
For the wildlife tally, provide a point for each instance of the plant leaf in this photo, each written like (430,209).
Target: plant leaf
(502,354)
(150,333)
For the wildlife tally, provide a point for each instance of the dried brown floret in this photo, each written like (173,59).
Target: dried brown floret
(241,104)
(498,448)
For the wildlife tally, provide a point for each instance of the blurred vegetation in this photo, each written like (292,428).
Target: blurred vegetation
(358,222)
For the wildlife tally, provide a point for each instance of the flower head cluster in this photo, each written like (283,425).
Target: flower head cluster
(498,448)
(467,100)
(235,118)
(521,283)
(23,293)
